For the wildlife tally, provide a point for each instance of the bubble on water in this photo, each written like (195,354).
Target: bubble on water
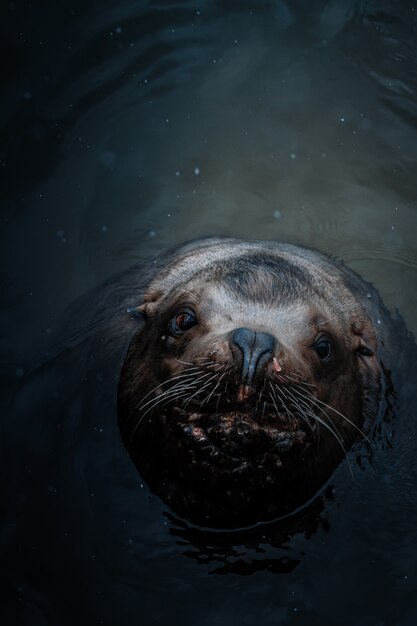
(19,371)
(197,171)
(27,95)
(293,155)
(277,214)
(60,233)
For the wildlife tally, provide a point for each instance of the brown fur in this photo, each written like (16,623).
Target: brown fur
(228,472)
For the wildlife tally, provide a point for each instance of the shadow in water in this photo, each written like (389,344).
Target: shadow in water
(247,551)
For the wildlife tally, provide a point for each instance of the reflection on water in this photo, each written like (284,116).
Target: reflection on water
(131,126)
(245,552)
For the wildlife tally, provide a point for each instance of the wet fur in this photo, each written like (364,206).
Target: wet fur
(258,277)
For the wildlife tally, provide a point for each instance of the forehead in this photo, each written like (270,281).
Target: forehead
(226,311)
(254,277)
(254,282)
(283,317)
(235,262)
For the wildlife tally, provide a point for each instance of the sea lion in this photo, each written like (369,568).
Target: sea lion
(257,365)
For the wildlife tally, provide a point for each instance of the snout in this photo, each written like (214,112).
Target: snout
(252,351)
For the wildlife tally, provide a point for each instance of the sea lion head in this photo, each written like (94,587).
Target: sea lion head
(249,380)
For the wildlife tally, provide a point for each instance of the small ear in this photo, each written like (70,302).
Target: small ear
(136,312)
(360,330)
(143,311)
(147,309)
(363,349)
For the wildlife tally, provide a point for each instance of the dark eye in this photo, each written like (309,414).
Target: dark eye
(324,349)
(182,321)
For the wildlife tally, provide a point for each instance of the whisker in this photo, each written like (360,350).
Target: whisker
(179,394)
(298,382)
(328,406)
(166,382)
(217,384)
(304,415)
(283,399)
(332,429)
(200,390)
(334,317)
(143,404)
(192,295)
(183,362)
(166,395)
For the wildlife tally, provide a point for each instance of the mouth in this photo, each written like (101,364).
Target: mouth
(241,442)
(228,467)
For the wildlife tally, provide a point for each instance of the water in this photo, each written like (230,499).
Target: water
(128,127)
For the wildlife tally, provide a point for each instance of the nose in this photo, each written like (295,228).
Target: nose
(254,349)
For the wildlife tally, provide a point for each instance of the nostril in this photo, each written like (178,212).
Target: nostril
(244,339)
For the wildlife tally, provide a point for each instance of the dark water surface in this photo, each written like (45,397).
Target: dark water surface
(128,127)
